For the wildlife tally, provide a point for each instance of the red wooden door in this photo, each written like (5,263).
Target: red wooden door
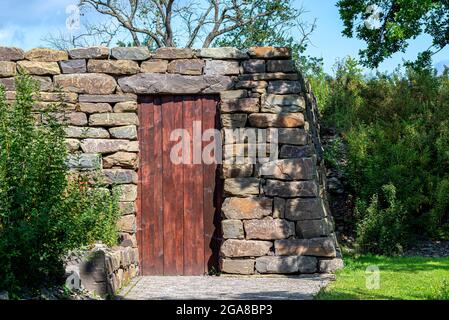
(179,204)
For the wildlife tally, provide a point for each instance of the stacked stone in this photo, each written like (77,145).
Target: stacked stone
(122,264)
(275,216)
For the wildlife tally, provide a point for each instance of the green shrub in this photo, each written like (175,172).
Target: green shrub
(396,130)
(42,214)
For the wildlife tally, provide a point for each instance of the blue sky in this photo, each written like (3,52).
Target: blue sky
(23,23)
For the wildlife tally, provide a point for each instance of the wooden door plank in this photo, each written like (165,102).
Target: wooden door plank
(172,190)
(193,191)
(211,203)
(146,177)
(158,205)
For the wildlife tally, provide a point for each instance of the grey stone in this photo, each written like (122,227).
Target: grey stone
(4,295)
(245,248)
(153,83)
(289,169)
(86,132)
(73,66)
(284,87)
(127,53)
(127,223)
(89,53)
(90,108)
(253,66)
(291,152)
(277,264)
(276,188)
(84,161)
(45,83)
(233,120)
(113,119)
(330,266)
(127,106)
(247,208)
(221,67)
(242,186)
(120,176)
(237,266)
(104,145)
(282,103)
(280,66)
(171,53)
(127,208)
(278,208)
(106,98)
(268,76)
(11,54)
(126,132)
(126,192)
(304,209)
(232,229)
(8,83)
(308,229)
(269,229)
(186,66)
(319,247)
(254,85)
(307,264)
(233,94)
(294,136)
(223,53)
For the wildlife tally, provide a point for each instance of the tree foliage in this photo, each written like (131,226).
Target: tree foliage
(398,22)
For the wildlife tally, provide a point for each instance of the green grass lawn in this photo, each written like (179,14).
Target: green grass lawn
(407,278)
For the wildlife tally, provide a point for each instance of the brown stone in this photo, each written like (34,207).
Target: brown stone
(186,66)
(116,67)
(245,248)
(269,229)
(8,83)
(269,52)
(237,170)
(279,120)
(72,144)
(90,108)
(232,229)
(90,83)
(280,66)
(45,83)
(121,159)
(268,76)
(242,186)
(276,264)
(247,208)
(11,54)
(237,266)
(127,106)
(39,68)
(290,152)
(276,188)
(289,169)
(7,69)
(46,55)
(255,85)
(89,53)
(233,94)
(278,208)
(331,265)
(282,103)
(248,105)
(71,118)
(154,66)
(319,247)
(304,209)
(107,98)
(113,119)
(127,223)
(127,208)
(171,53)
(104,145)
(253,66)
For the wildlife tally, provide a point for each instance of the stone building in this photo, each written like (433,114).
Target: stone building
(241,218)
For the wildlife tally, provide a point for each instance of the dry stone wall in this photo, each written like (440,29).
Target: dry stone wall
(275,216)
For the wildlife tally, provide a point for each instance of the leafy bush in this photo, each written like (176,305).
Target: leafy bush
(396,129)
(42,213)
